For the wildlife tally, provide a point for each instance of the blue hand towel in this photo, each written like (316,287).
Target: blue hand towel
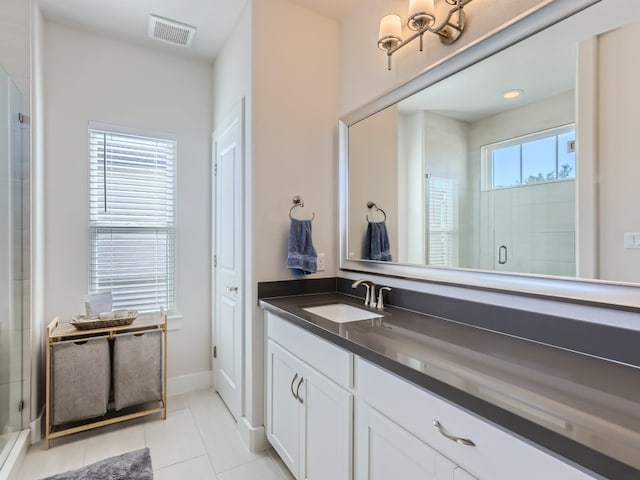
(302,258)
(376,242)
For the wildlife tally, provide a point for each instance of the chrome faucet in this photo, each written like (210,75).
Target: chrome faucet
(370,296)
(380,304)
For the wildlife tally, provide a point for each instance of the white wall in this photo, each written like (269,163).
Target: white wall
(295,104)
(373,174)
(232,69)
(91,78)
(618,168)
(411,221)
(294,142)
(15,41)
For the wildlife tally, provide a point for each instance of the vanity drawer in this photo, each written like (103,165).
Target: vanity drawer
(496,455)
(329,359)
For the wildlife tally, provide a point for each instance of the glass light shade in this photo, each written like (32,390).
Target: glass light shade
(390,26)
(420,6)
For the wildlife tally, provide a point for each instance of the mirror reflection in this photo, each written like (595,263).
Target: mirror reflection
(483,169)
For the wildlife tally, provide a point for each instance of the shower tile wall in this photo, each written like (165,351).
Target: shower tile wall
(536,223)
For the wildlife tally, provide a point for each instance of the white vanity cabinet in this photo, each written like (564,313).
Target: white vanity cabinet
(309,416)
(386,450)
(395,426)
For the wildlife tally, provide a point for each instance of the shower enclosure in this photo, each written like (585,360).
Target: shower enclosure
(14,248)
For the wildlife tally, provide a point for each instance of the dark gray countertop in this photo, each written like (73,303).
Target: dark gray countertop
(583,408)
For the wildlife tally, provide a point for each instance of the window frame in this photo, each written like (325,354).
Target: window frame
(487,164)
(450,231)
(172,230)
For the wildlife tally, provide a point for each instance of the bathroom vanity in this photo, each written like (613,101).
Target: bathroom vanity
(409,395)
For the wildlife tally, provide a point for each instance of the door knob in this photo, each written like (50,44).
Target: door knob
(233,288)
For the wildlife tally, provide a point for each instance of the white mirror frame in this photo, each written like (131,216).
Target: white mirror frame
(611,294)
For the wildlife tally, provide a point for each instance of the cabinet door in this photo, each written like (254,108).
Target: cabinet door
(498,455)
(384,450)
(327,432)
(284,411)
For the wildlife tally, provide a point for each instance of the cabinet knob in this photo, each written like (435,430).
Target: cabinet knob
(233,288)
(461,441)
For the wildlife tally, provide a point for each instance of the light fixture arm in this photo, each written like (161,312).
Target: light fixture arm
(458,6)
(447,31)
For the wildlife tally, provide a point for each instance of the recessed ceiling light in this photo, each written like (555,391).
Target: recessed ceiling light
(510,94)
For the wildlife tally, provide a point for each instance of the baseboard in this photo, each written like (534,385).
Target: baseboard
(36,428)
(9,470)
(189,383)
(254,438)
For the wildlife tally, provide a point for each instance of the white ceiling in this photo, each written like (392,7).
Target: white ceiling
(128,19)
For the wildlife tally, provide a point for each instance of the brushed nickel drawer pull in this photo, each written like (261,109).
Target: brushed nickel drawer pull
(292,382)
(461,441)
(298,390)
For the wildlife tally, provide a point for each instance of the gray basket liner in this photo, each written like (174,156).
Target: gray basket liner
(137,368)
(80,378)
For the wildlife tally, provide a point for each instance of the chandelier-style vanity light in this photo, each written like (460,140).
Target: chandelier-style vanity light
(421,20)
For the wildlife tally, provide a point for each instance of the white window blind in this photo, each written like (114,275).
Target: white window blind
(442,238)
(132,219)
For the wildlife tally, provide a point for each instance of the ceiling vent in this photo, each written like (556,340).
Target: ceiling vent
(170,31)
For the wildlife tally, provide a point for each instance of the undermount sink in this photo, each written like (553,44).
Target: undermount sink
(342,312)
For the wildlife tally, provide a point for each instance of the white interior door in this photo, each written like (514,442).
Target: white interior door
(228,259)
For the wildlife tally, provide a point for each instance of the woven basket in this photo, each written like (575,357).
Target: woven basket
(118,318)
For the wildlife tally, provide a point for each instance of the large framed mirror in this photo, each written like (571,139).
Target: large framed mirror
(509,165)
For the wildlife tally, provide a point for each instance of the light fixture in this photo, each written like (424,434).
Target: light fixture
(511,94)
(421,20)
(390,33)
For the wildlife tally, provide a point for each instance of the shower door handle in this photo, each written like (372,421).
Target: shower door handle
(502,254)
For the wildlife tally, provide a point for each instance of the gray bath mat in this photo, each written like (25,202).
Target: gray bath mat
(134,465)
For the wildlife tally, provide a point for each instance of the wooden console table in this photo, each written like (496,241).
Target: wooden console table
(62,332)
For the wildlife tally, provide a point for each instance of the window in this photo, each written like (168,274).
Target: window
(132,218)
(540,157)
(442,213)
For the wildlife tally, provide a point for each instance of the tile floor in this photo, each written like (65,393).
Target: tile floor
(198,440)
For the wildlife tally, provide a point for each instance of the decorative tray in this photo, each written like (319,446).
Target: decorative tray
(118,318)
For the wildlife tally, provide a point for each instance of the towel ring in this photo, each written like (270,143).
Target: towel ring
(298,202)
(378,209)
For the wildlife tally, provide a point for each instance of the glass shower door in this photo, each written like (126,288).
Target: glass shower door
(12,277)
